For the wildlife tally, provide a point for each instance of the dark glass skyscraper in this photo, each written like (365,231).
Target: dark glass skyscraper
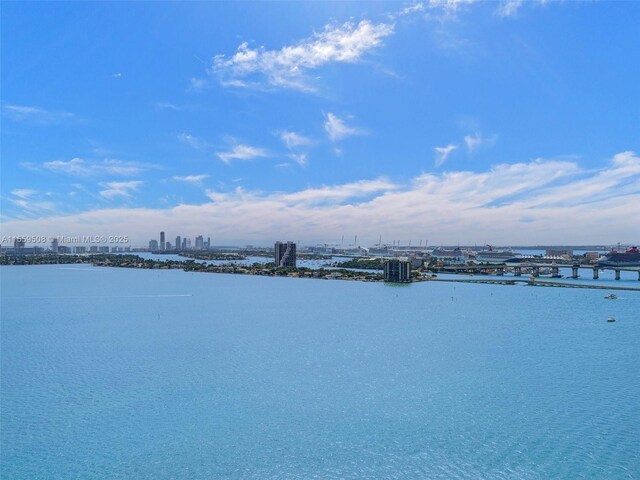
(397,270)
(285,255)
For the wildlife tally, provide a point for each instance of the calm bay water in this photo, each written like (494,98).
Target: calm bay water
(118,373)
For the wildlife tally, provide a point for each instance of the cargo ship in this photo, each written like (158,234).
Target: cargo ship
(628,258)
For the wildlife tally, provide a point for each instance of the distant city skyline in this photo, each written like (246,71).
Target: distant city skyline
(460,122)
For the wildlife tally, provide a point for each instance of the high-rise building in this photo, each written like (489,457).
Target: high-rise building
(184,244)
(153,245)
(285,254)
(167,246)
(54,245)
(178,243)
(397,270)
(162,244)
(199,242)
(208,244)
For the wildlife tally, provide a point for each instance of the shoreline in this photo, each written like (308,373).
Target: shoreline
(537,283)
(135,262)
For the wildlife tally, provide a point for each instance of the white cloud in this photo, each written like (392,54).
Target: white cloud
(299,158)
(449,6)
(293,139)
(167,106)
(23,193)
(75,166)
(117,75)
(197,84)
(337,130)
(287,67)
(242,152)
(192,141)
(83,168)
(473,142)
(542,201)
(30,201)
(37,115)
(415,8)
(508,8)
(336,193)
(193,179)
(119,189)
(442,153)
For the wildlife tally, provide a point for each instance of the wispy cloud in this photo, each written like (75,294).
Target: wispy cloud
(299,158)
(293,140)
(31,201)
(116,75)
(193,179)
(242,152)
(442,153)
(166,106)
(36,115)
(335,194)
(409,9)
(337,129)
(287,67)
(85,168)
(197,84)
(193,142)
(508,8)
(474,142)
(542,201)
(119,189)
(296,142)
(23,193)
(75,166)
(449,7)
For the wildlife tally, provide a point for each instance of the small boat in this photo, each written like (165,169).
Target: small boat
(611,319)
(611,296)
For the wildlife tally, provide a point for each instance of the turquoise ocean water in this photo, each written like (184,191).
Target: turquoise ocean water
(142,374)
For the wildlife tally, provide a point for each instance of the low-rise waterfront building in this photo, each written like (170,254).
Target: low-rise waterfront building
(559,252)
(592,257)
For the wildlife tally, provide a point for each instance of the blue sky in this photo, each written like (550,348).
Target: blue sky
(454,121)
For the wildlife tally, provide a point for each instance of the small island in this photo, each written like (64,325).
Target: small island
(191,265)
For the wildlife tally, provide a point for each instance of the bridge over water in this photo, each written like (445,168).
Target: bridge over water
(534,269)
